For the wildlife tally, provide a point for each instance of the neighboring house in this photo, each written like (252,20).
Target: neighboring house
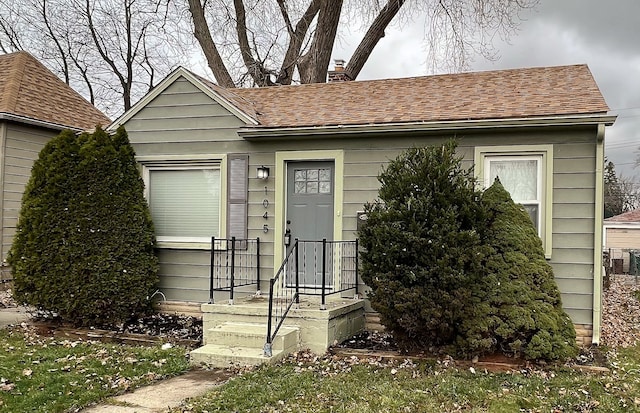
(621,235)
(35,105)
(200,148)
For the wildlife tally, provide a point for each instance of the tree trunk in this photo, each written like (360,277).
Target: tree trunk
(313,66)
(372,37)
(202,33)
(296,37)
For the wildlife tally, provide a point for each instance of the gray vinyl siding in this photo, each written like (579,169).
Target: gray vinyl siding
(22,146)
(160,128)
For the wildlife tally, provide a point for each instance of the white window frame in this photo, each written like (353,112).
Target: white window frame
(196,162)
(544,155)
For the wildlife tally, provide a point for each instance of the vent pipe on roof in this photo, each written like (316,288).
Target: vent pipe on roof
(338,74)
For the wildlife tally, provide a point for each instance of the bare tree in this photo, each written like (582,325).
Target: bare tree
(267,42)
(621,193)
(112,51)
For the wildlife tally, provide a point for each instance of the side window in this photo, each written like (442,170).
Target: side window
(526,171)
(521,176)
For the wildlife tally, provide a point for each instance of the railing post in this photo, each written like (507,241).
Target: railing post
(233,268)
(297,261)
(257,265)
(211,265)
(323,305)
(267,345)
(356,259)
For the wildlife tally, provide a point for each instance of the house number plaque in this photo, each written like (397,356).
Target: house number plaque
(265,204)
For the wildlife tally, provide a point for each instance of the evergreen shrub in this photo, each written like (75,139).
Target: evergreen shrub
(454,269)
(420,245)
(518,307)
(84,247)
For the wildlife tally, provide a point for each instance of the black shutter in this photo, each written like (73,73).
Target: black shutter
(238,182)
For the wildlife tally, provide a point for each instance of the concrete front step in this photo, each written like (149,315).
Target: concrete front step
(236,343)
(236,334)
(215,355)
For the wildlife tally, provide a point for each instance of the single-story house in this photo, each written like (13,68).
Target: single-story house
(299,162)
(35,105)
(621,236)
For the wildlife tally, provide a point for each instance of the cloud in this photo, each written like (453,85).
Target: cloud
(603,34)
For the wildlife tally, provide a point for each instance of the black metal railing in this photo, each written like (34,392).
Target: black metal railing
(318,268)
(281,296)
(234,263)
(327,267)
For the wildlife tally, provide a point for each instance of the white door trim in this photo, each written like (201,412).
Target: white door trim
(337,156)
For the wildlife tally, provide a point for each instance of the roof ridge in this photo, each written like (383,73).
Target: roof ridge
(407,78)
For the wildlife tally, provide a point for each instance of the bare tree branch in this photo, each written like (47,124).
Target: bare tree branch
(295,43)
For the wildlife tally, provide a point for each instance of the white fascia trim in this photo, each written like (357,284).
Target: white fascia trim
(36,122)
(168,81)
(595,119)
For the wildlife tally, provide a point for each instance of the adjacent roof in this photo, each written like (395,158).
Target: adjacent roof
(629,216)
(31,93)
(517,93)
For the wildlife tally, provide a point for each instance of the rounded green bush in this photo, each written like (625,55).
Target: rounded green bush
(84,247)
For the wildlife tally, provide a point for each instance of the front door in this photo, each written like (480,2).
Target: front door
(310,192)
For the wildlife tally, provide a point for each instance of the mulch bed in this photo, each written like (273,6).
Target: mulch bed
(47,328)
(377,345)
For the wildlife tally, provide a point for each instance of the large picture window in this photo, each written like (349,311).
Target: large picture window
(184,202)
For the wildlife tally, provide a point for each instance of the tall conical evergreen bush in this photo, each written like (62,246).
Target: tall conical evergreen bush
(84,242)
(421,246)
(517,306)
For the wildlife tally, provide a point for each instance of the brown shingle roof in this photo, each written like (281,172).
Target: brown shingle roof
(501,94)
(629,216)
(28,89)
(235,99)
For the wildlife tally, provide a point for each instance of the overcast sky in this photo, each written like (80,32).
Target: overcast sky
(605,34)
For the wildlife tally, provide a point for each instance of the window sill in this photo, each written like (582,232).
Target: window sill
(184,245)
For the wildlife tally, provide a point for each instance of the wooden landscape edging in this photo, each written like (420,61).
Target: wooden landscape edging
(492,366)
(108,336)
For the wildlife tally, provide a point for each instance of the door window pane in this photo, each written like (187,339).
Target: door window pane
(312,181)
(185,202)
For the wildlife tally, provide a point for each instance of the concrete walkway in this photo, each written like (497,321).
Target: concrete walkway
(164,395)
(157,397)
(14,315)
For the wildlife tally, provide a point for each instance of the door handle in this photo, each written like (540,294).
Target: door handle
(287,237)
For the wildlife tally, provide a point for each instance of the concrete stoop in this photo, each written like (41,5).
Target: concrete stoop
(233,343)
(235,334)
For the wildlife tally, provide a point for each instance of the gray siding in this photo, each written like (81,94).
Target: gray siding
(184,120)
(22,146)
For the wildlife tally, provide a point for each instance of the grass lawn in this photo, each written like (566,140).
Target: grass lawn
(344,385)
(43,374)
